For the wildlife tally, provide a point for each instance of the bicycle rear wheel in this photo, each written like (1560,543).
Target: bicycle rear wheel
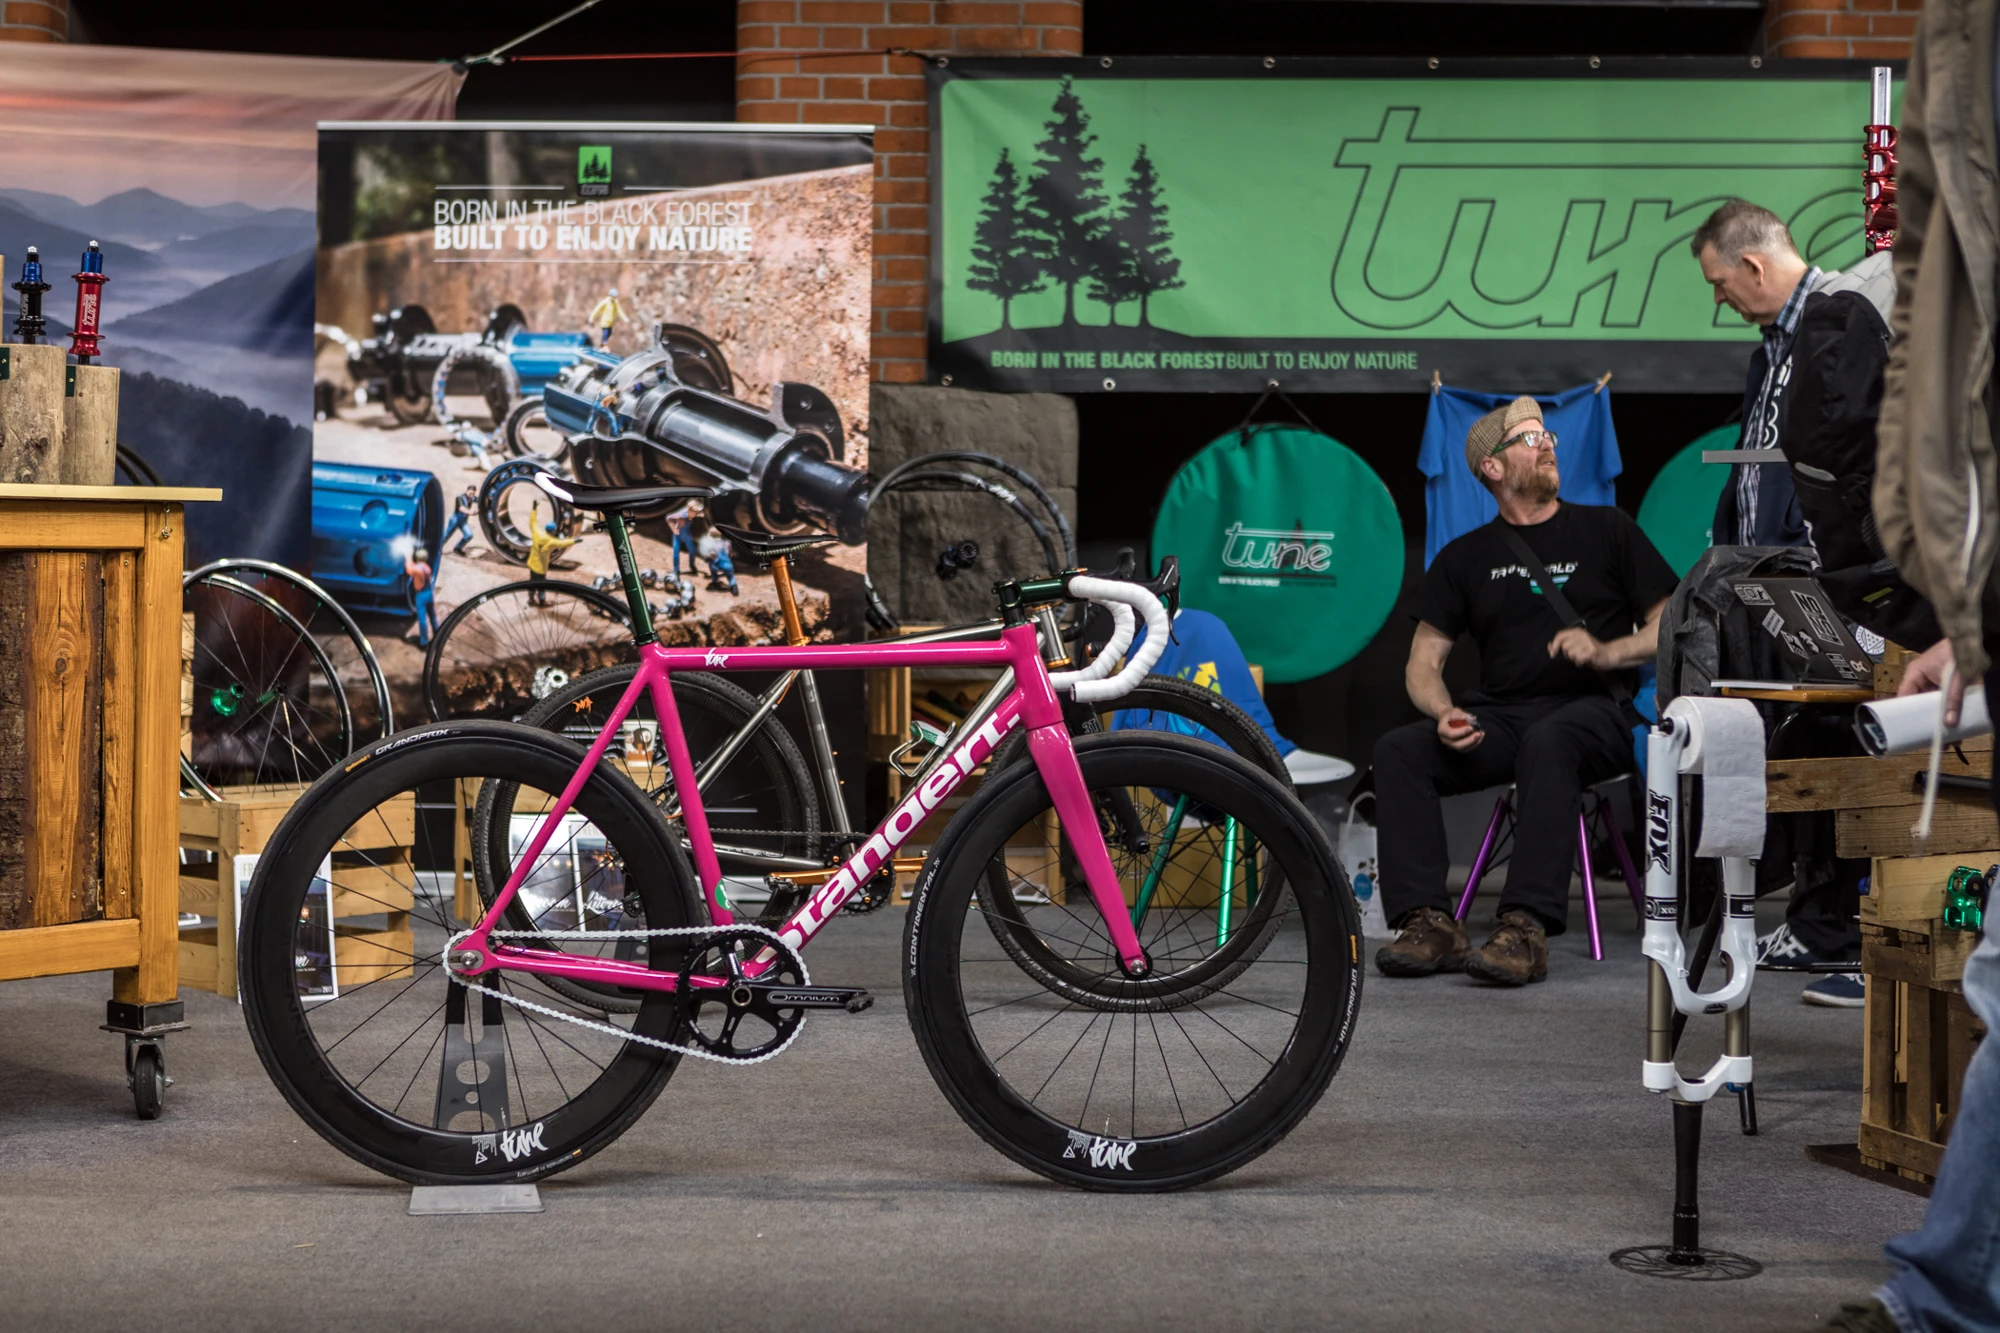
(367,1036)
(1181,1081)
(502,650)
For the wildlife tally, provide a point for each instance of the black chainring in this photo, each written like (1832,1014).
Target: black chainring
(726,1006)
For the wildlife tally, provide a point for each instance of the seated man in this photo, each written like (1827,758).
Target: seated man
(1552,712)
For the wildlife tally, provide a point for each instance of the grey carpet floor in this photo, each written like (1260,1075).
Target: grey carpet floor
(1477,1158)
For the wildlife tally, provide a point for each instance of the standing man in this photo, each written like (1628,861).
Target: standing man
(1748,258)
(1552,713)
(1940,521)
(461,520)
(606,314)
(422,593)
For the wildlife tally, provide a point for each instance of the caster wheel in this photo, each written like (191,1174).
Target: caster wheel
(149,1081)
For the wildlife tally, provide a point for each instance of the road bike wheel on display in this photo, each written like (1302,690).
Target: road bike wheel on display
(760,803)
(1163,705)
(336,632)
(376,1046)
(1005,531)
(502,650)
(1177,1083)
(510,505)
(269,708)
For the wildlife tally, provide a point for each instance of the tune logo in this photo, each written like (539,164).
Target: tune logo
(1103,1154)
(1264,557)
(512,1144)
(713,658)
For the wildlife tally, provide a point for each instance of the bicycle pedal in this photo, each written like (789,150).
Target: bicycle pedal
(852,999)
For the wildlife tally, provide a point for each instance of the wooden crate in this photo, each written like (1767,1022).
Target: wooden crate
(1919,1031)
(374,874)
(90,618)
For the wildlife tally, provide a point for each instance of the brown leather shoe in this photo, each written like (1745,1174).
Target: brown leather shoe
(1517,953)
(1430,941)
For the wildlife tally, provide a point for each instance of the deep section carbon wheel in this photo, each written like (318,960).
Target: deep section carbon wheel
(370,1038)
(1180,1081)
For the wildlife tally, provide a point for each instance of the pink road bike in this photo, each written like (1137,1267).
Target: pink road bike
(1163,1051)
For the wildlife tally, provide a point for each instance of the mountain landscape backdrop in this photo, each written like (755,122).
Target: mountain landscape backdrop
(209,313)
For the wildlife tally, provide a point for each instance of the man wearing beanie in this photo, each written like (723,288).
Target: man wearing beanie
(1552,713)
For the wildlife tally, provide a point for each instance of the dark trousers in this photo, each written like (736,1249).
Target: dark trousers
(1550,750)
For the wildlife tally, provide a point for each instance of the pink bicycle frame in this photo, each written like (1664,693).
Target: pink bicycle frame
(1032,703)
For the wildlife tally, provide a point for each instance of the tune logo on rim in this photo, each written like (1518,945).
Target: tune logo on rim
(1103,1154)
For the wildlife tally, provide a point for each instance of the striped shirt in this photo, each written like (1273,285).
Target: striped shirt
(1760,427)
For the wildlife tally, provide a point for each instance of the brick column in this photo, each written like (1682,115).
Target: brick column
(1860,29)
(34,21)
(824,62)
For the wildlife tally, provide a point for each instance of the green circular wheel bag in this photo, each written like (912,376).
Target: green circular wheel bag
(1292,540)
(1680,504)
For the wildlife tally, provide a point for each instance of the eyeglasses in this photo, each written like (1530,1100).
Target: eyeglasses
(1534,439)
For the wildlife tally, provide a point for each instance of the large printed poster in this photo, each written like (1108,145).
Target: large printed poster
(1359,225)
(614,304)
(195,173)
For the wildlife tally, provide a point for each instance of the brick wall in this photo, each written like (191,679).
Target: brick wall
(825,62)
(1860,29)
(34,20)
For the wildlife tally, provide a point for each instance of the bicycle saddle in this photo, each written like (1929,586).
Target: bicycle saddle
(618,499)
(764,546)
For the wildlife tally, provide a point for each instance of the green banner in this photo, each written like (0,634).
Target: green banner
(1185,225)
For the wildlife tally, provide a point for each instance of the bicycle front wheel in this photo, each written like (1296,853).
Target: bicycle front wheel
(371,1040)
(1180,1081)
(502,650)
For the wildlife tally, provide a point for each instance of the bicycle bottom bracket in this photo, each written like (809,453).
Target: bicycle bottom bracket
(734,1016)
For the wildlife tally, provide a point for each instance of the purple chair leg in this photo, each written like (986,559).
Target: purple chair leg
(1633,884)
(1492,840)
(1589,886)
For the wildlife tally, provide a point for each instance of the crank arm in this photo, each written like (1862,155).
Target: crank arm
(852,999)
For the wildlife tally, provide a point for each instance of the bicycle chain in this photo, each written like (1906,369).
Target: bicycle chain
(805,979)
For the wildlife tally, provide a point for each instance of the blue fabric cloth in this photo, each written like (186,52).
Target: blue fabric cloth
(1455,501)
(1204,652)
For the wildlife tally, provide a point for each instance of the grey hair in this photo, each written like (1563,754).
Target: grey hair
(1739,227)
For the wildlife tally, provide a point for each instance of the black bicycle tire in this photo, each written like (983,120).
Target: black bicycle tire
(134,465)
(781,761)
(277,1020)
(1297,1077)
(1052,551)
(272,569)
(1240,736)
(1006,469)
(434,699)
(346,746)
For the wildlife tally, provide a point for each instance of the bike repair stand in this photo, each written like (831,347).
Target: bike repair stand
(472,1077)
(1674,747)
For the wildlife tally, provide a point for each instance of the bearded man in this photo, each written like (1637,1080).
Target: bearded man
(1552,713)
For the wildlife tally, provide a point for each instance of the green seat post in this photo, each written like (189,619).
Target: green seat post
(628,571)
(1160,855)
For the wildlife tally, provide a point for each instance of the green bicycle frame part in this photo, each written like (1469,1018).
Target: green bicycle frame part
(628,571)
(1160,855)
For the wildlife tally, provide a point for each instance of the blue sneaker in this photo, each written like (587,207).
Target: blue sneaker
(1837,990)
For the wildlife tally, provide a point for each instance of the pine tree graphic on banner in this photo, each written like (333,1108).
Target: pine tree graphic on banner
(1007,252)
(1065,200)
(1141,228)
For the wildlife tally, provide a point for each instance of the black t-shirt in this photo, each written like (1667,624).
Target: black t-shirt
(1604,565)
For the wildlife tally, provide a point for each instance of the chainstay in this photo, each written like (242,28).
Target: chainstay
(521,1002)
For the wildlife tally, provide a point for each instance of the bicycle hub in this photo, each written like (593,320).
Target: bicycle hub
(775,471)
(29,323)
(90,282)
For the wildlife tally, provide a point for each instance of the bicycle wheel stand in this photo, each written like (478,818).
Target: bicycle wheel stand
(1685,1259)
(484,1058)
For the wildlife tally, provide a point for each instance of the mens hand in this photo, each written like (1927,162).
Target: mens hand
(1926,670)
(1580,646)
(1457,729)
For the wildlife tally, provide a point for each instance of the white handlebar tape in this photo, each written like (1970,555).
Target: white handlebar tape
(1087,688)
(1124,627)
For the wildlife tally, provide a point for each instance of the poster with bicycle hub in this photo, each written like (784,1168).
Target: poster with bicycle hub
(629,305)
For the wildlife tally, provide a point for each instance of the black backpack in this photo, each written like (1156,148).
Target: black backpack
(1839,351)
